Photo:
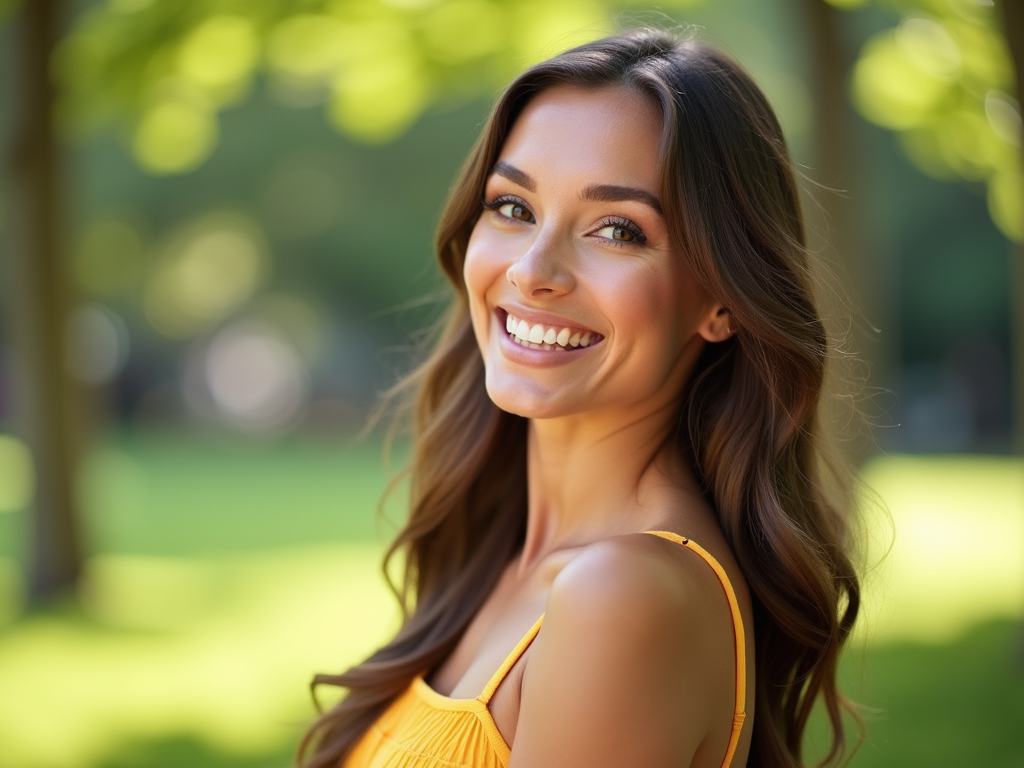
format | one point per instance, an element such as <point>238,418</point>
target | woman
<point>633,349</point>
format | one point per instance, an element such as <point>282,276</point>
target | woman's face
<point>578,300</point>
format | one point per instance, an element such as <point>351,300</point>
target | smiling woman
<point>573,241</point>
<point>632,349</point>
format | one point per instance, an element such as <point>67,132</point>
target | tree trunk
<point>1012,12</point>
<point>37,305</point>
<point>835,227</point>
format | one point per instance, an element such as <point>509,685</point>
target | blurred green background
<point>217,220</point>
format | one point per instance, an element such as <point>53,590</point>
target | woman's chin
<point>531,402</point>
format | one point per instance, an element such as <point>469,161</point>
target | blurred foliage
<point>943,79</point>
<point>166,68</point>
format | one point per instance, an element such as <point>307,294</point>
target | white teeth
<point>547,338</point>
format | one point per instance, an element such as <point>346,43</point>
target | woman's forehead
<point>608,131</point>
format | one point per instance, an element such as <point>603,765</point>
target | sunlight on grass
<point>957,535</point>
<point>228,661</point>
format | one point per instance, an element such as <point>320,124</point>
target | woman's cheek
<point>479,273</point>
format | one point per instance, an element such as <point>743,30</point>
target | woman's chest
<point>500,624</point>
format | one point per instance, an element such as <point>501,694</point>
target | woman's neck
<point>597,475</point>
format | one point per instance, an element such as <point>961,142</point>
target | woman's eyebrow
<point>603,193</point>
<point>610,193</point>
<point>513,174</point>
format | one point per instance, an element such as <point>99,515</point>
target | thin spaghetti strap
<point>509,662</point>
<point>739,715</point>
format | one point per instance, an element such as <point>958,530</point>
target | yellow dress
<point>423,729</point>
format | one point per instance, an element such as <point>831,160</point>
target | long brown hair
<point>748,419</point>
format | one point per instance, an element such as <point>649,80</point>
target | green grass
<point>181,495</point>
<point>186,655</point>
<point>956,704</point>
<point>226,574</point>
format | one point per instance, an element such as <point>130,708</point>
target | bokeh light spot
<point>1003,115</point>
<point>984,55</point>
<point>463,30</point>
<point>174,136</point>
<point>253,377</point>
<point>306,46</point>
<point>377,99</point>
<point>220,53</point>
<point>545,28</point>
<point>928,46</point>
<point>97,344</point>
<point>17,474</point>
<point>214,266</point>
<point>892,91</point>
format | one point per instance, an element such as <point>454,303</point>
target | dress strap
<point>739,715</point>
<point>509,662</point>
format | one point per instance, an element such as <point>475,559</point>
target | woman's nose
<point>541,271</point>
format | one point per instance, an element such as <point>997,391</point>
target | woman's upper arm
<point>629,668</point>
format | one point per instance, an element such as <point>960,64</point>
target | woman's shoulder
<point>636,633</point>
<point>653,582</point>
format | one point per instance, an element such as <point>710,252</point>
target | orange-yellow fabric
<point>423,729</point>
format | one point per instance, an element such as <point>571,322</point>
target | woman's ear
<point>718,324</point>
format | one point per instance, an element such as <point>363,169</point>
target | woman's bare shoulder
<point>639,576</point>
<point>632,665</point>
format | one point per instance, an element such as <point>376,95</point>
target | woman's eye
<point>515,211</point>
<point>620,234</point>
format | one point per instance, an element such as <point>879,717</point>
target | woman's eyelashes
<point>621,232</point>
<point>617,231</point>
<point>509,207</point>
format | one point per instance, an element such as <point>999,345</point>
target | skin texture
<point>633,665</point>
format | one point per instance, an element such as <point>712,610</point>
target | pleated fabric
<point>424,729</point>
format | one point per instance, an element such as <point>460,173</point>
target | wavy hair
<point>748,419</point>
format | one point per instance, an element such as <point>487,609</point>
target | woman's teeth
<point>545,336</point>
